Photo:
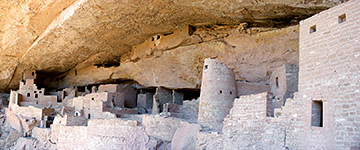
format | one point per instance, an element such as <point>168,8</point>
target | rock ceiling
<point>54,36</point>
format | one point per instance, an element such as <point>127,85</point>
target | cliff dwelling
<point>179,75</point>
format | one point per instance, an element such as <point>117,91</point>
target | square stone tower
<point>329,78</point>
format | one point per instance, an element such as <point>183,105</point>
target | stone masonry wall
<point>114,134</point>
<point>71,137</point>
<point>329,72</point>
<point>248,127</point>
<point>217,94</point>
<point>107,134</point>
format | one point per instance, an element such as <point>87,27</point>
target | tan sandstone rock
<point>55,36</point>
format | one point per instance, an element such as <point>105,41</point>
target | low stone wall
<point>72,138</point>
<point>251,106</point>
<point>106,134</point>
<point>117,134</point>
<point>28,112</point>
<point>248,127</point>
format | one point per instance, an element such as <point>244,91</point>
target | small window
<point>32,73</point>
<point>277,82</point>
<point>206,66</point>
<point>92,99</point>
<point>75,72</point>
<point>313,29</point>
<point>28,94</point>
<point>36,95</point>
<point>89,116</point>
<point>230,92</point>
<point>342,18</point>
<point>317,114</point>
<point>220,91</point>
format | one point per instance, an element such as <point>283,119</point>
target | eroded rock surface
<point>253,55</point>
<point>55,36</point>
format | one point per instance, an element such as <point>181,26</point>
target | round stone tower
<point>218,91</point>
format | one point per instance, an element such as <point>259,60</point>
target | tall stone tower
<point>218,91</point>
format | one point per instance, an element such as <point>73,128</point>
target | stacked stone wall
<point>329,72</point>
<point>102,134</point>
<point>248,127</point>
<point>218,91</point>
<point>71,137</point>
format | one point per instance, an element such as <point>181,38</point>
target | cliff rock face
<point>56,36</point>
<point>252,53</point>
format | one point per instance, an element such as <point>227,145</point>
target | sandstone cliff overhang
<point>56,36</point>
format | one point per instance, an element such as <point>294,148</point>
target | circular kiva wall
<point>218,91</point>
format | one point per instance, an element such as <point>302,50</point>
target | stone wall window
<point>277,82</point>
<point>313,29</point>
<point>28,94</point>
<point>342,18</point>
<point>317,113</point>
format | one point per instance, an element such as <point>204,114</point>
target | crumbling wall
<point>248,127</point>
<point>119,134</point>
<point>188,111</point>
<point>292,80</point>
<point>161,97</point>
<point>252,106</point>
<point>284,83</point>
<point>102,134</point>
<point>145,102</point>
<point>72,137</point>
<point>218,92</point>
